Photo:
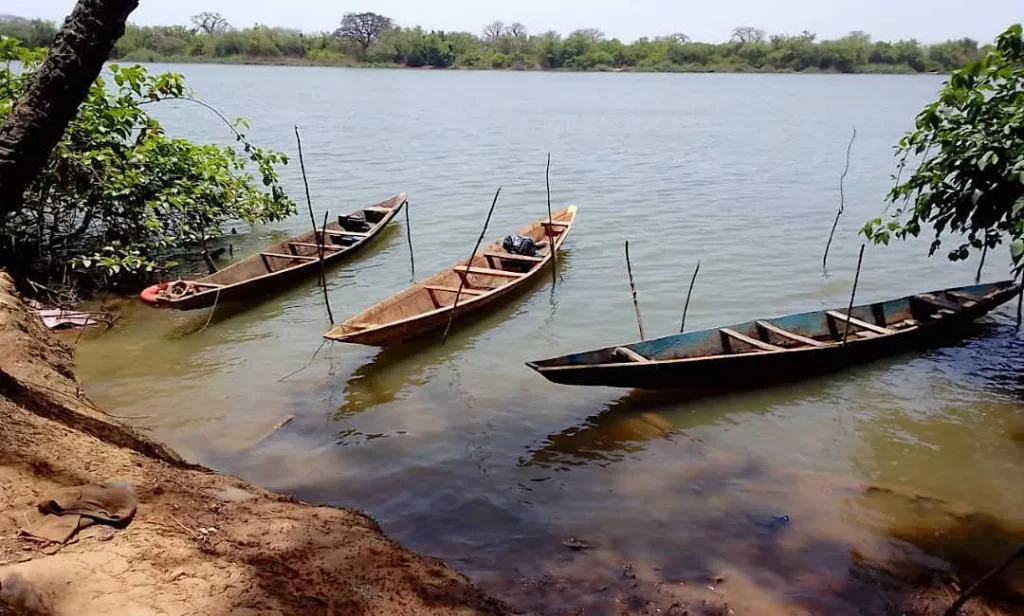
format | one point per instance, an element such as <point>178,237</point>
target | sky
<point>705,20</point>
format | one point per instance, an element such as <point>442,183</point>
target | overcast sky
<point>706,20</point>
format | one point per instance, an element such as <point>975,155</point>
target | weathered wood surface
<point>708,361</point>
<point>426,307</point>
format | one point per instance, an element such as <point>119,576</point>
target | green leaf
<point>1017,249</point>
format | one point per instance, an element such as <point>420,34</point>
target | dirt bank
<point>201,543</point>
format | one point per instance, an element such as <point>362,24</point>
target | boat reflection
<point>400,368</point>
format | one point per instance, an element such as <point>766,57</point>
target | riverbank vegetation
<point>118,198</point>
<point>370,39</point>
<point>966,154</point>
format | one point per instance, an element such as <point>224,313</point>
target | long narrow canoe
<point>279,265</point>
<point>782,349</point>
<point>425,307</point>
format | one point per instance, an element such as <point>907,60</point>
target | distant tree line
<point>373,39</point>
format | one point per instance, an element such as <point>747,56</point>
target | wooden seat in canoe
<point>377,210</point>
<point>735,335</point>
<point>455,290</point>
<point>463,270</point>
<point>778,331</point>
<point>511,257</point>
<point>968,300</point>
<point>839,316</point>
<point>317,246</point>
<point>941,306</point>
<point>555,223</point>
<point>334,233</point>
<point>631,355</point>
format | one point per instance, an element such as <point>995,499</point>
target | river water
<point>463,453</point>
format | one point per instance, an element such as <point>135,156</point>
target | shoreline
<point>289,61</point>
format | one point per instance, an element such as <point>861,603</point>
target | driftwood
<point>967,594</point>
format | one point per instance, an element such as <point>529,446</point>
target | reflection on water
<point>396,368</point>
<point>490,467</point>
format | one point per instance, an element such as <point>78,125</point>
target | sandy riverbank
<point>268,553</point>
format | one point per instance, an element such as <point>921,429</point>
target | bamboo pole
<point>318,236</point>
<point>849,310</point>
<point>469,263</point>
<point>408,235</point>
<point>682,326</point>
<point>842,201</point>
<point>550,229</point>
<point>321,248</point>
<point>632,286</point>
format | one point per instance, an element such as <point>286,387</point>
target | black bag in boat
<point>520,245</point>
<point>355,222</point>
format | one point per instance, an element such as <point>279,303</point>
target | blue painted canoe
<point>768,351</point>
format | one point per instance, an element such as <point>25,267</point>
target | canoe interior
<point>895,315</point>
<point>436,294</point>
<point>274,261</point>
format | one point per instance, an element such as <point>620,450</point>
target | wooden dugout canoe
<point>281,264</point>
<point>425,307</point>
<point>782,349</point>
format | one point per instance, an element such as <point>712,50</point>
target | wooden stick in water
<point>842,201</point>
<point>469,263</point>
<point>321,248</point>
<point>636,304</point>
<point>408,235</point>
<point>967,594</point>
<point>682,326</point>
<point>302,165</point>
<point>856,277</point>
<point>984,251</point>
<point>550,229</point>
<point>318,237</point>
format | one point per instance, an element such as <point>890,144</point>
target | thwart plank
<point>792,336</point>
<point>764,346</point>
<point>858,323</point>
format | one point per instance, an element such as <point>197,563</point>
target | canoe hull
<point>732,372</point>
<point>417,311</point>
<point>270,282</point>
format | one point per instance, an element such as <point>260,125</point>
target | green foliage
<point>369,38</point>
<point>970,143</point>
<point>118,195</point>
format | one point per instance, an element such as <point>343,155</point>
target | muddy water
<point>461,452</point>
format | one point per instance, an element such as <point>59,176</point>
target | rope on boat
<point>216,299</point>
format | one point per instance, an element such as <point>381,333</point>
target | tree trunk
<point>41,116</point>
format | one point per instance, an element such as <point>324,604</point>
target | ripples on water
<point>462,452</point>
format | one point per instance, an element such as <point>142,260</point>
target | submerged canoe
<point>281,264</point>
<point>782,349</point>
<point>425,307</point>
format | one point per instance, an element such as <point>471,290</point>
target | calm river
<point>463,453</point>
